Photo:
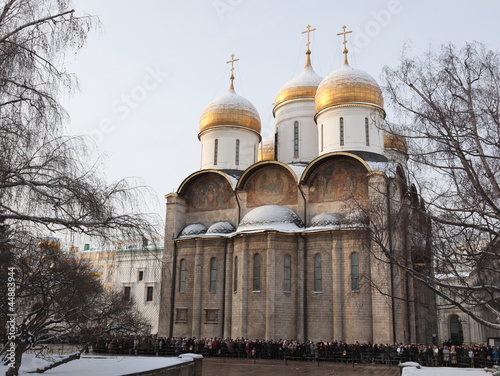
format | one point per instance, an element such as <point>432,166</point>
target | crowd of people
<point>447,354</point>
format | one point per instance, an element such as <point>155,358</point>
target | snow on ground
<point>97,365</point>
<point>444,371</point>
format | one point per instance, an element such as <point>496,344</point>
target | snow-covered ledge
<point>185,365</point>
<point>415,369</point>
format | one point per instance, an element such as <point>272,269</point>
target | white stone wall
<point>226,148</point>
<point>128,265</point>
<point>329,139</point>
<point>286,115</point>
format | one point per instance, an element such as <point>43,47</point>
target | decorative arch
<point>337,177</point>
<point>208,190</point>
<point>269,183</point>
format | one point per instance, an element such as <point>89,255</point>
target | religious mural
<point>271,185</point>
<point>209,192</point>
<point>338,180</point>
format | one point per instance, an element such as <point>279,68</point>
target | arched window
<point>182,276</point>
<point>213,275</point>
<point>256,272</point>
<point>296,139</point>
<point>216,151</point>
<point>341,131</point>
<point>321,135</point>
<point>235,281</point>
<point>287,274</point>
<point>367,132</point>
<point>317,273</point>
<point>354,272</point>
<point>276,146</point>
<point>237,157</point>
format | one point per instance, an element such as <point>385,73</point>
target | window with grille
<point>237,154</point>
<point>149,293</point>
<point>354,272</point>
<point>287,274</point>
<point>216,151</point>
<point>367,132</point>
<point>317,273</point>
<point>296,139</point>
<point>126,293</point>
<point>256,272</point>
<point>235,282</point>
<point>213,275</point>
<point>182,276</point>
<point>341,131</point>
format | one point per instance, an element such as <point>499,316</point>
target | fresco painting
<point>338,180</point>
<point>210,192</point>
<point>271,185</point>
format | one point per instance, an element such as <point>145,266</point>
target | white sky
<point>146,78</point>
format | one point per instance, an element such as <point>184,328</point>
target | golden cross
<point>308,31</point>
<point>345,43</point>
<point>232,69</point>
<point>232,63</point>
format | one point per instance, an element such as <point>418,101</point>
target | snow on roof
<point>271,217</point>
<point>388,168</point>
<point>297,169</point>
<point>232,101</point>
<point>347,75</point>
<point>306,78</point>
<point>233,179</point>
<point>456,275</point>
<point>325,219</point>
<point>98,365</point>
<point>193,229</point>
<point>221,228</point>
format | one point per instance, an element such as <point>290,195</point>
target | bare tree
<point>58,295</point>
<point>49,180</point>
<point>46,177</point>
<point>447,105</point>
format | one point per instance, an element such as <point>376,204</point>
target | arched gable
<point>337,177</point>
<point>269,183</point>
<point>208,190</point>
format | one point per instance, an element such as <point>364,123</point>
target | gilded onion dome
<point>230,110</point>
<point>348,86</point>
<point>395,142</point>
<point>302,87</point>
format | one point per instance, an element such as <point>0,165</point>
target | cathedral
<point>290,240</point>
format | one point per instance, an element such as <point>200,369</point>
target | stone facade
<point>272,278</point>
<point>298,246</point>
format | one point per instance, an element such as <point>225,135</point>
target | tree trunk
<point>18,353</point>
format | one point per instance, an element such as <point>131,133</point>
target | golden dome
<point>266,152</point>
<point>303,86</point>
<point>348,86</point>
<point>230,110</point>
<point>395,142</point>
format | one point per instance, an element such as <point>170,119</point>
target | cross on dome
<point>308,52</point>
<point>232,70</point>
<point>308,31</point>
<point>345,51</point>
